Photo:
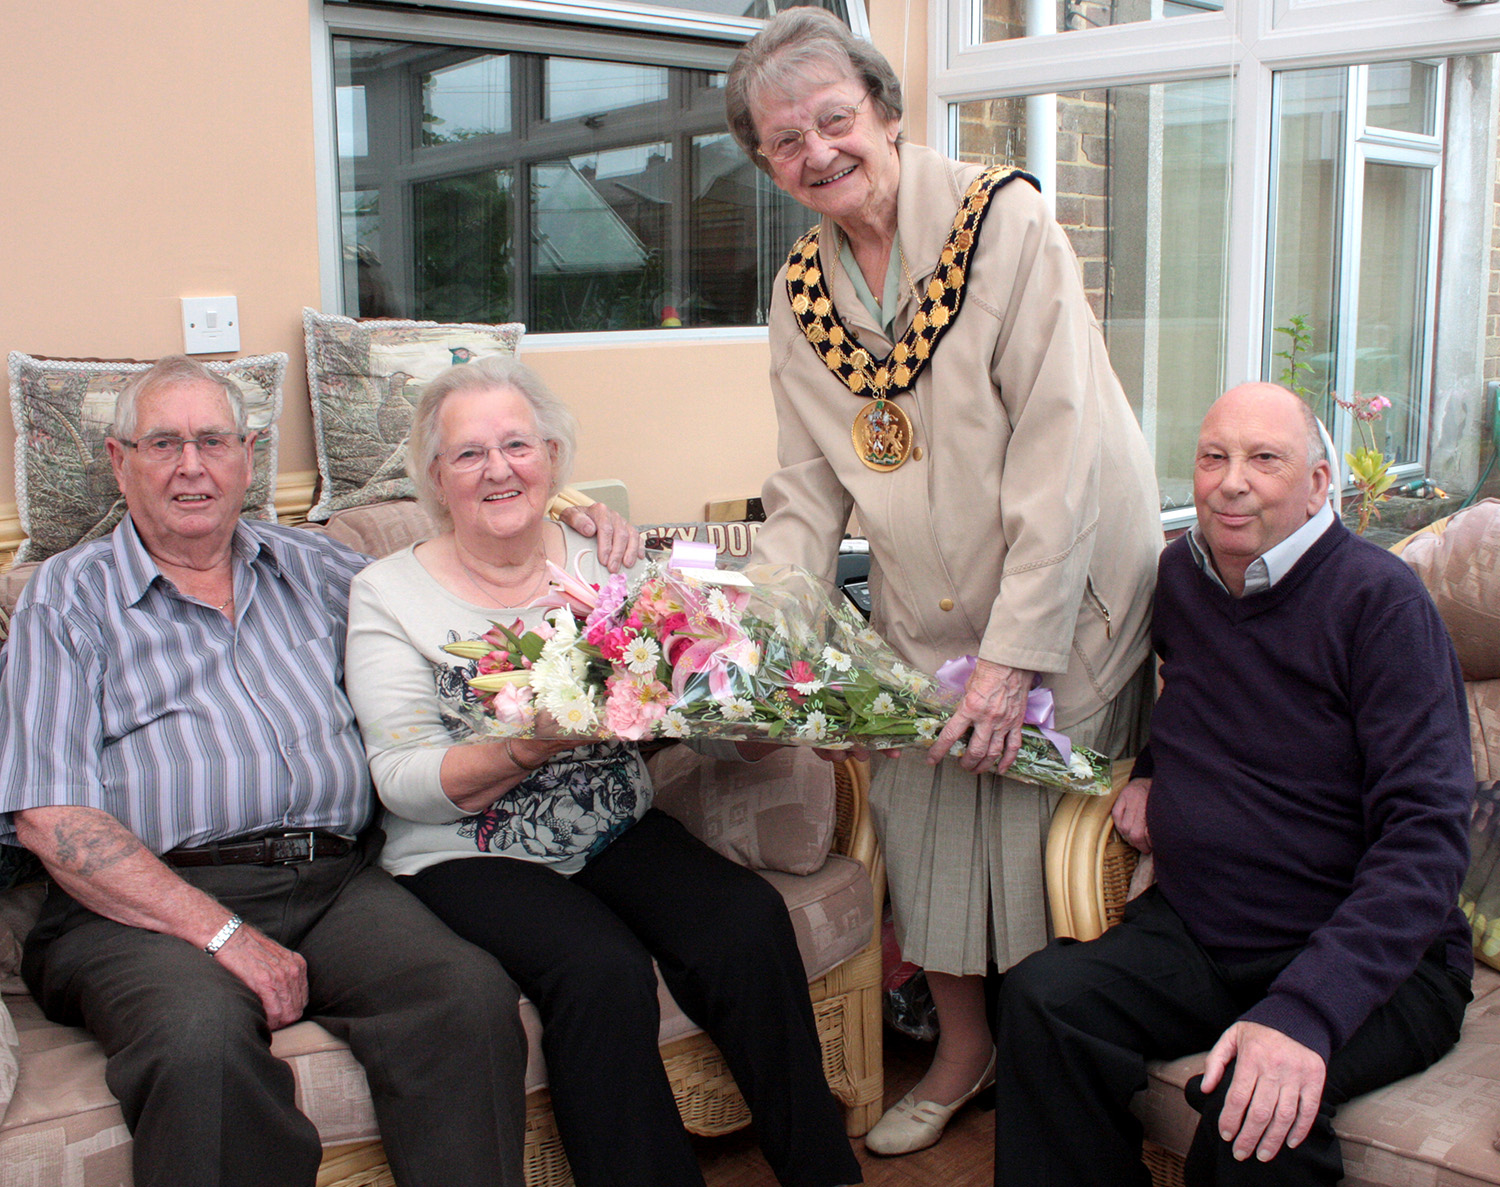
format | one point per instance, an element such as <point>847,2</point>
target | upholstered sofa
<point>803,823</point>
<point>1437,1129</point>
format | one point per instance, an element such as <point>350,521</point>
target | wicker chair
<point>846,1004</point>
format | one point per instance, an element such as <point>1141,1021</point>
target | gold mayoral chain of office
<point>881,430</point>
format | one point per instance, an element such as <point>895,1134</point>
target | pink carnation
<point>512,704</point>
<point>632,708</point>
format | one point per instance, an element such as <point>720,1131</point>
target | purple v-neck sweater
<point>1311,778</point>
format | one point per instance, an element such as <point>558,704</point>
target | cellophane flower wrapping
<point>741,653</point>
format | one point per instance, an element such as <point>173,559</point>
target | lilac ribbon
<point>689,554</point>
<point>1040,712</point>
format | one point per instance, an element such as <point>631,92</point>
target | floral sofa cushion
<point>364,379</point>
<point>63,409</point>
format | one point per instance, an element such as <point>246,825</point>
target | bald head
<point>1259,475</point>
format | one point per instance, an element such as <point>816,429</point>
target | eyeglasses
<point>163,448</point>
<point>832,124</point>
<point>474,455</point>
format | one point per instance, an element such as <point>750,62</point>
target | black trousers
<point>581,948</point>
<point>434,1022</point>
<point>1076,1024</point>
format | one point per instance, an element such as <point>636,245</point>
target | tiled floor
<point>964,1158</point>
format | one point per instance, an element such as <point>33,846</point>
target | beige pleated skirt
<point>965,853</point>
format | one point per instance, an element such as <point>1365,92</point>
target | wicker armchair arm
<point>854,831</point>
<point>1088,864</point>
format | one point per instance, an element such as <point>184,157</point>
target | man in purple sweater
<point>1305,792</point>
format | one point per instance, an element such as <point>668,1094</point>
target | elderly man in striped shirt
<point>176,746</point>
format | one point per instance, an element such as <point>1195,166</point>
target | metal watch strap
<point>221,937</point>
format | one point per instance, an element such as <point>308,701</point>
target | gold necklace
<point>881,432</point>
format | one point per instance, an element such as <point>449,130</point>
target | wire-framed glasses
<point>835,122</point>
<point>472,455</point>
<point>162,448</point>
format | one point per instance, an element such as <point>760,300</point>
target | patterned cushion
<point>1459,563</point>
<point>364,378</point>
<point>62,408</point>
<point>735,539</point>
<point>775,814</point>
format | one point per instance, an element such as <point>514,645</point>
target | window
<point>1225,168</point>
<point>1003,19</point>
<point>573,180</point>
<point>1352,250</point>
<point>1141,177</point>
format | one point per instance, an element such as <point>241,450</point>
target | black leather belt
<point>272,849</point>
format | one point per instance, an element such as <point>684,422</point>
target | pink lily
<point>567,592</point>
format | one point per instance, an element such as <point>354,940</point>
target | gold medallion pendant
<point>882,435</point>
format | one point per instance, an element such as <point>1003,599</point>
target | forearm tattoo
<point>89,846</point>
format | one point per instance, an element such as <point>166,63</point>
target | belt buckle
<point>290,848</point>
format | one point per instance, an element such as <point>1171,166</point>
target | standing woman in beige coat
<point>937,369</point>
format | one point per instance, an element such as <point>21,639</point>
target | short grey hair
<point>1316,451</point>
<point>172,371</point>
<point>795,42</point>
<point>554,422</point>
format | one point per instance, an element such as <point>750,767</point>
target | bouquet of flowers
<point>693,651</point>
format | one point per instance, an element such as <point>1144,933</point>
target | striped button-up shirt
<point>120,693</point>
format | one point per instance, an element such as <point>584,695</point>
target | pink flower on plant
<point>1379,404</point>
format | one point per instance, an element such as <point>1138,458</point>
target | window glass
<point>1403,97</point>
<point>1000,20</point>
<point>1142,183</point>
<point>568,193</point>
<point>1303,288</point>
<point>1390,335</point>
<point>469,99</point>
<point>579,89</point>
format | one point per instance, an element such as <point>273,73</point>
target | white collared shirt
<point>1273,564</point>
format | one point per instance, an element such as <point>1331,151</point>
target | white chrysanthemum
<point>737,709</point>
<point>838,660</point>
<point>575,715</point>
<point>673,725</point>
<point>808,687</point>
<point>1079,766</point>
<point>927,728</point>
<point>554,676</point>
<point>815,727</point>
<point>883,705</point>
<point>641,655</point>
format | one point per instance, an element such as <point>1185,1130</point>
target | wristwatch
<point>221,937</point>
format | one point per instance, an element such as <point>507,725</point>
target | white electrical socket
<point>210,325</point>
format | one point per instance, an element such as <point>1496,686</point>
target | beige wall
<point>159,149</point>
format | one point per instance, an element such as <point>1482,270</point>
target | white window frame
<point>1250,40</point>
<point>609,31</point>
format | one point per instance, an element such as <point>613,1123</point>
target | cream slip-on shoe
<point>910,1125</point>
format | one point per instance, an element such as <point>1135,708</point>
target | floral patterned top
<point>413,702</point>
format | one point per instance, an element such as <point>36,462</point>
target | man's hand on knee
<point>276,974</point>
<point>1274,1094</point>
